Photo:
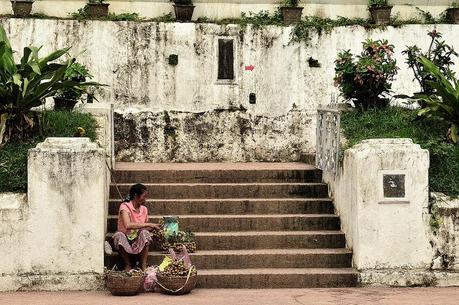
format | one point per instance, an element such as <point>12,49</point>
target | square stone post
<point>66,221</point>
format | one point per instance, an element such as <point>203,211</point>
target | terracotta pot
<point>98,10</point>
<point>183,12</point>
<point>291,14</point>
<point>64,104</point>
<point>453,14</point>
<point>21,8</point>
<point>381,15</point>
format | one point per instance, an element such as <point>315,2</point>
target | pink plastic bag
<point>150,280</point>
<point>181,256</point>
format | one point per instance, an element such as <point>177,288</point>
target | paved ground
<point>359,296</point>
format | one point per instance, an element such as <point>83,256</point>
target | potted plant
<point>66,98</point>
<point>380,11</point>
<point>453,12</point>
<point>97,8</point>
<point>183,10</point>
<point>22,8</point>
<point>365,79</point>
<point>291,12</point>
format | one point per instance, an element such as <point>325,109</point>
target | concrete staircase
<point>258,225</point>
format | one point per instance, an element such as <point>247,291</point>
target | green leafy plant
<point>454,4</point>
<point>378,3</point>
<point>97,1</point>
<point>124,17</point>
<point>77,73</point>
<point>444,102</point>
<point>440,53</point>
<point>302,30</point>
<point>164,18</point>
<point>365,78</point>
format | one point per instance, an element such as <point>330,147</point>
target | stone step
<point>277,278</point>
<point>227,190</point>
<point>234,206</point>
<point>266,240</point>
<point>217,176</point>
<point>262,258</point>
<point>260,222</point>
<point>269,240</point>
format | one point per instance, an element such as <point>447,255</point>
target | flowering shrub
<point>439,53</point>
<point>365,79</point>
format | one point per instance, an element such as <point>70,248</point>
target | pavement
<point>340,296</point>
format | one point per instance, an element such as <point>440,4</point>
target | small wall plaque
<point>394,186</point>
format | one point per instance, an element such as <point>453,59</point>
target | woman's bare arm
<point>133,225</point>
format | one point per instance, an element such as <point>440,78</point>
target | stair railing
<point>328,137</point>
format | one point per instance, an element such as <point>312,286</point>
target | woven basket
<point>176,285</point>
<point>119,284</point>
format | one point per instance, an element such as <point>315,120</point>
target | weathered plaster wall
<point>233,8</point>
<point>392,240</point>
<point>53,240</point>
<point>217,135</point>
<point>132,58</point>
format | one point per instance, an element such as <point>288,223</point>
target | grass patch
<point>13,156</point>
<point>396,122</point>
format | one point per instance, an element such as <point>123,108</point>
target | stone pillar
<point>381,196</point>
<point>390,188</point>
<point>59,242</point>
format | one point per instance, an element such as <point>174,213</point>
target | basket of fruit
<point>177,278</point>
<point>124,282</point>
<point>176,241</point>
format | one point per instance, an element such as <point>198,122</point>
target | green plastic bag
<point>133,235</point>
<point>171,226</point>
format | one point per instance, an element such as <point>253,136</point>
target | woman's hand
<point>152,226</point>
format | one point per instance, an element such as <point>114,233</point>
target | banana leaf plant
<point>444,102</point>
<point>26,84</point>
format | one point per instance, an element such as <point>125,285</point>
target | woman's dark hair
<point>136,190</point>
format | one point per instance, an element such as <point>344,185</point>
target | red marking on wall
<point>249,68</point>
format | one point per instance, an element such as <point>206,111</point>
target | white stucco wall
<point>163,110</point>
<point>54,239</point>
<point>132,59</point>
<point>233,8</point>
<point>391,237</point>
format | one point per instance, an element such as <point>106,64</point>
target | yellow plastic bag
<point>166,262</point>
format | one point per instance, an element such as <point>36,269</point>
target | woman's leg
<point>121,243</point>
<point>144,257</point>
<point>126,259</point>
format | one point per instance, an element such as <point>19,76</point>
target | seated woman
<point>133,236</point>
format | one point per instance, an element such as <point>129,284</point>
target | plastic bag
<point>181,256</point>
<point>171,225</point>
<point>166,262</point>
<point>150,283</point>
